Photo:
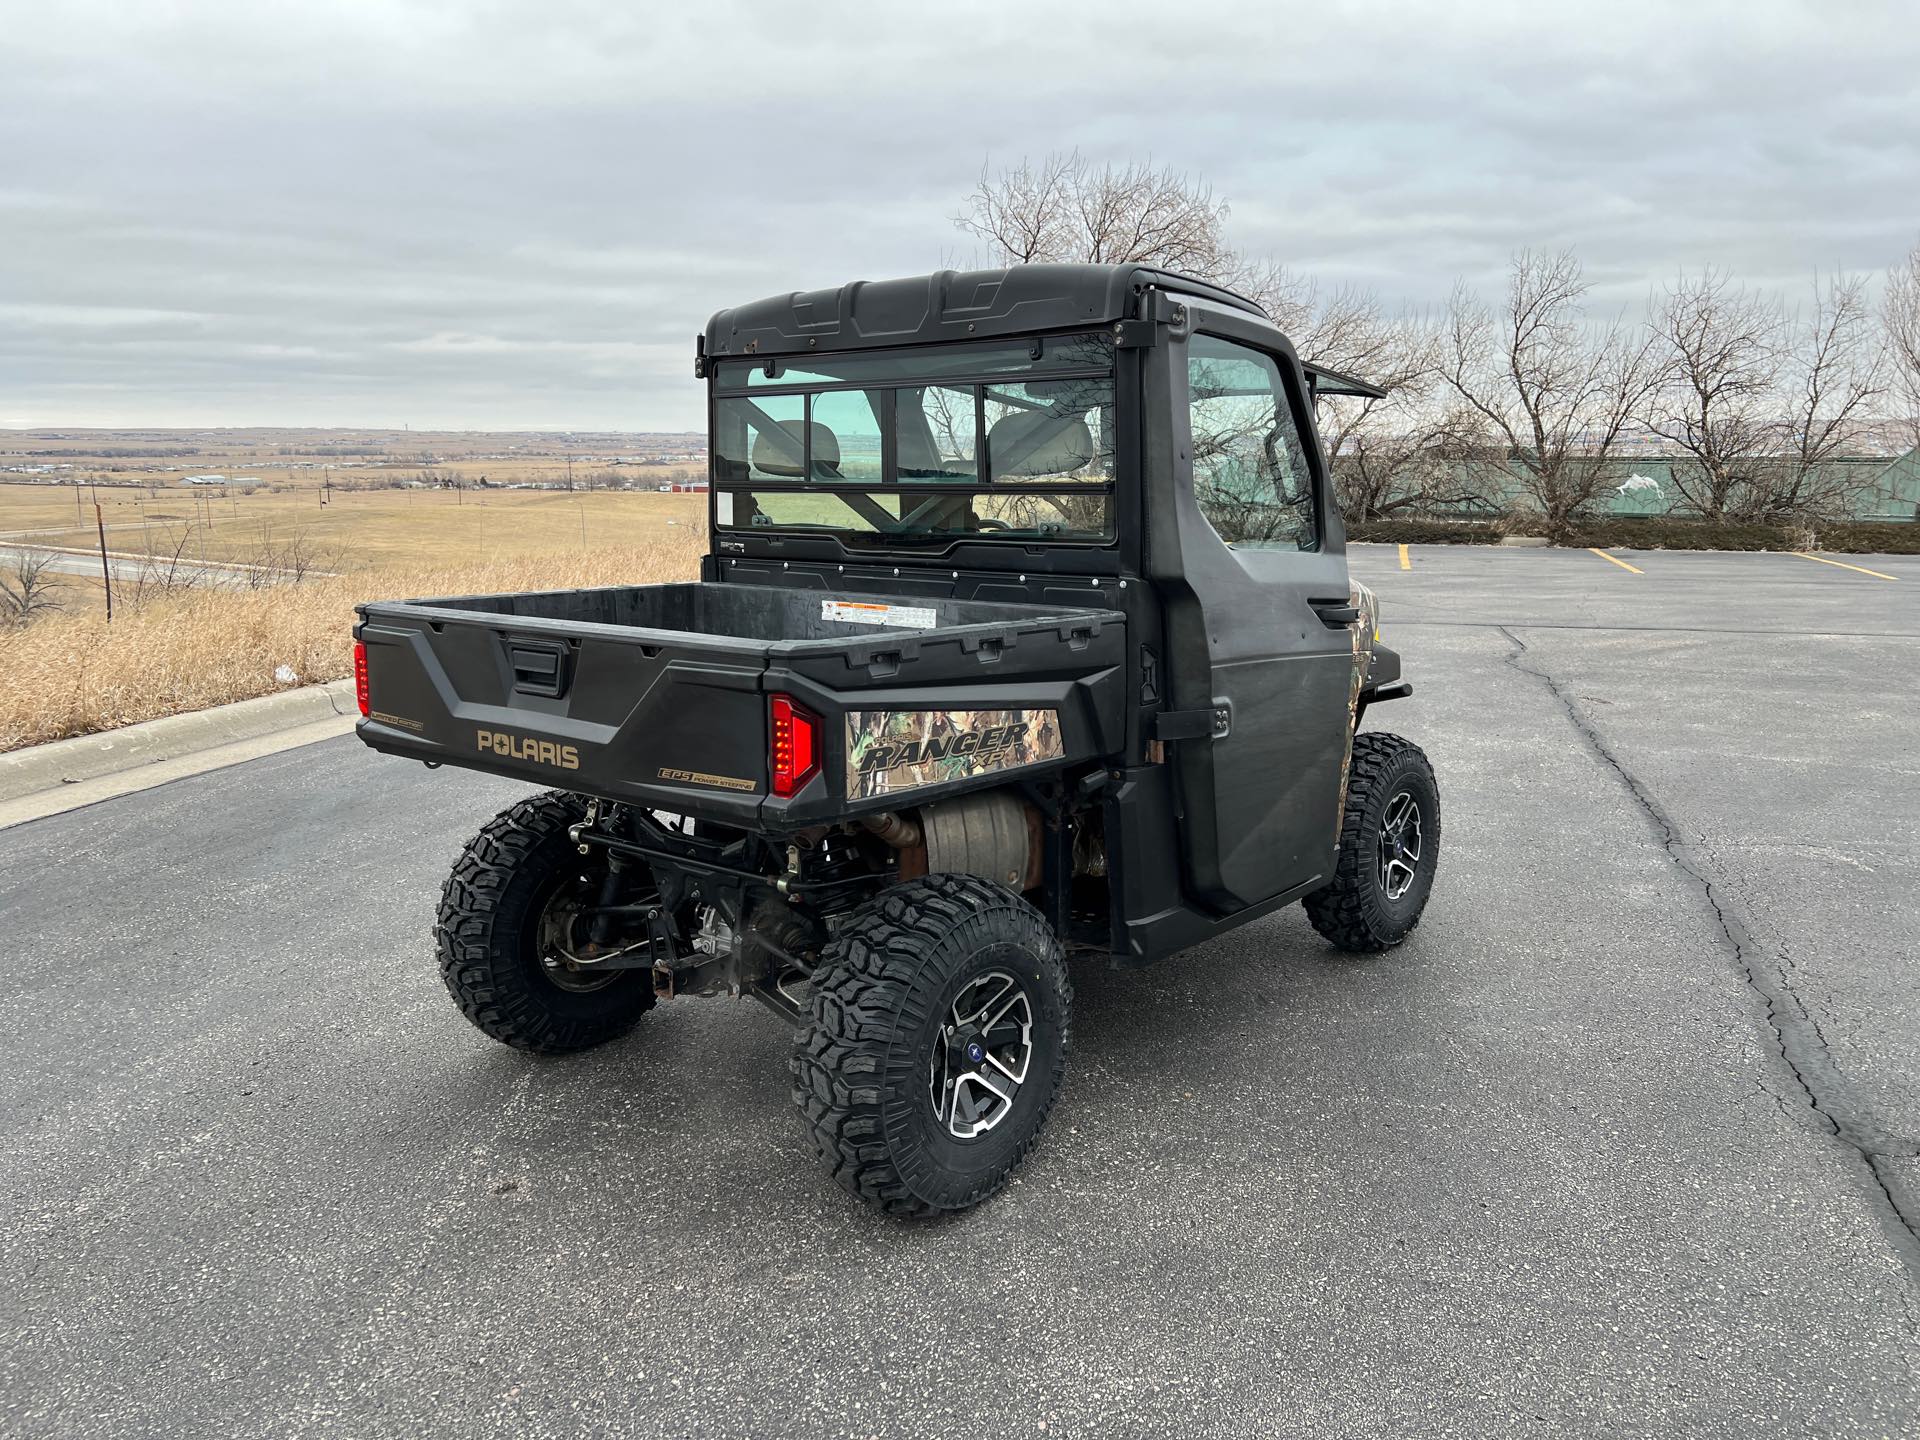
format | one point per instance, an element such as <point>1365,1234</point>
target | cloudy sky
<point>517,213</point>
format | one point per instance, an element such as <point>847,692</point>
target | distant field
<point>260,450</point>
<point>587,474</point>
<point>606,483</point>
<point>169,650</point>
<point>354,530</point>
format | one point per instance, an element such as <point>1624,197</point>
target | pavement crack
<point>1797,1035</point>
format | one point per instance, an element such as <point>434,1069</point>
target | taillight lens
<point>794,745</point>
<point>360,676</point>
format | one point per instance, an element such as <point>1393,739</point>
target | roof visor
<point>1322,381</point>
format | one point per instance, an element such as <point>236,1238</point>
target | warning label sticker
<point>859,612</point>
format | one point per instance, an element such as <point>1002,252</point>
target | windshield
<point>989,441</point>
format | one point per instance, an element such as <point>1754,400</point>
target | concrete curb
<point>42,768</point>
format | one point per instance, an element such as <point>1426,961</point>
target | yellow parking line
<point>1405,563</point>
<point>1617,561</point>
<point>1857,569</point>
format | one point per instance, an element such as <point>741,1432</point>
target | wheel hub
<point>1400,845</point>
<point>981,1054</point>
<point>566,955</point>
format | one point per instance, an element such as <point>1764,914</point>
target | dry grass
<point>358,530</point>
<point>75,674</point>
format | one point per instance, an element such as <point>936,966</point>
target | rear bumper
<point>523,753</point>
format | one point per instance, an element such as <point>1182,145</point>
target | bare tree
<point>1409,460</point>
<point>1067,208</point>
<point>1900,316</point>
<point>1388,456</point>
<point>27,587</point>
<point>1835,372</point>
<point>1345,328</point>
<point>165,569</point>
<point>1723,349</point>
<point>282,560</point>
<point>1553,391</point>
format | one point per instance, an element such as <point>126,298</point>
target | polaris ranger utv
<point>1025,633</point>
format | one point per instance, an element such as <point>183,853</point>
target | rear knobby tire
<point>489,935</point>
<point>1357,909</point>
<point>884,1068</point>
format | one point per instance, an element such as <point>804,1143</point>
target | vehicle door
<point>1260,624</point>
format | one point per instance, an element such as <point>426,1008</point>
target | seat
<point>777,450</point>
<point>1035,442</point>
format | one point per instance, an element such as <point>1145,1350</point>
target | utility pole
<point>106,570</point>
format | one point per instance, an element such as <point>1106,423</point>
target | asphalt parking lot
<point>1622,1142</point>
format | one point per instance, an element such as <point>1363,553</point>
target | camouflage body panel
<point>1365,631</point>
<point>892,750</point>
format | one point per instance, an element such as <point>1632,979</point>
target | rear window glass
<point>1049,431</point>
<point>939,432</point>
<point>761,439</point>
<point>906,517</point>
<point>982,441</point>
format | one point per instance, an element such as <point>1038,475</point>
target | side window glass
<point>1250,472</point>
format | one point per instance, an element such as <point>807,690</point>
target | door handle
<point>1336,613</point>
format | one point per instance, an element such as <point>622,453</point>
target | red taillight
<point>360,676</point>
<point>794,747</point>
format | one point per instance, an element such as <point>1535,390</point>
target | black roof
<point>966,305</point>
<point>949,305</point>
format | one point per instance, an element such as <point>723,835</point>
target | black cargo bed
<point>657,694</point>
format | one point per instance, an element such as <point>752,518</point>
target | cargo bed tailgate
<point>658,695</point>
<point>665,720</point>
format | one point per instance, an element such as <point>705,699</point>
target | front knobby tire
<point>496,934</point>
<point>935,1044</point>
<point>1389,845</point>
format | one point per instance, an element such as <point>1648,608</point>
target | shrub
<point>1659,532</point>
<point>1666,533</point>
<point>1423,532</point>
<point>1654,532</point>
<point>1868,539</point>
